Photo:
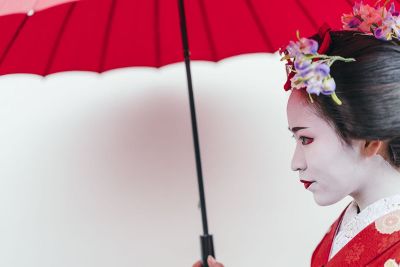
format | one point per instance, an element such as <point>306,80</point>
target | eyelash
<point>301,137</point>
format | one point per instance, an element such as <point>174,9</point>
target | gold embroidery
<point>389,223</point>
<point>354,254</point>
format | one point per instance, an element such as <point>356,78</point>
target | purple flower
<point>389,27</point>
<point>396,28</point>
<point>392,22</point>
<point>328,86</point>
<point>322,70</point>
<point>314,76</point>
<point>308,46</point>
<point>293,49</point>
<point>302,63</point>
<point>381,33</point>
<point>314,88</point>
<point>303,46</point>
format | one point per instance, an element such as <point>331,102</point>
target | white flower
<point>391,263</point>
<point>389,223</point>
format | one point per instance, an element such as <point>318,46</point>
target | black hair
<point>369,89</point>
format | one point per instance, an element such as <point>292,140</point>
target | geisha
<point>344,113</point>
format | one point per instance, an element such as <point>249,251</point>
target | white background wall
<point>99,170</point>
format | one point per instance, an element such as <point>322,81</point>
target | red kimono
<point>378,244</point>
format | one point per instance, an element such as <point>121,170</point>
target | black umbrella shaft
<point>193,116</point>
<point>206,240</point>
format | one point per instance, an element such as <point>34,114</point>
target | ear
<point>372,147</point>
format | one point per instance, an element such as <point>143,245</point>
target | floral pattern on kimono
<point>378,244</point>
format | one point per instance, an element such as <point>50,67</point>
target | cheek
<point>329,161</point>
<point>321,155</point>
<point>332,166</point>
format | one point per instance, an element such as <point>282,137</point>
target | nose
<point>298,160</point>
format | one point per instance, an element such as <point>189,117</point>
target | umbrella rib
<point>58,39</point>
<point>207,28</point>
<point>260,26</point>
<point>13,39</point>
<point>157,32</point>
<point>307,14</point>
<point>106,39</point>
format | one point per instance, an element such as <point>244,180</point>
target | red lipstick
<point>307,183</point>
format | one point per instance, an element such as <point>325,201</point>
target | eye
<point>304,140</point>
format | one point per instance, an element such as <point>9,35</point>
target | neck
<point>377,186</point>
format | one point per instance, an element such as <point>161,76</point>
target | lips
<point>307,183</point>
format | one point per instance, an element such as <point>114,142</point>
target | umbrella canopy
<point>28,6</point>
<point>99,35</point>
<point>49,36</point>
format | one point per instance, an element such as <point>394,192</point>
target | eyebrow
<point>295,129</point>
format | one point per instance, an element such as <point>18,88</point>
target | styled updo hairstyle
<point>369,89</point>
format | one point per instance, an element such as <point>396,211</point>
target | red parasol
<point>48,36</point>
<point>99,35</point>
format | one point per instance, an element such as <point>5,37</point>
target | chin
<point>325,201</point>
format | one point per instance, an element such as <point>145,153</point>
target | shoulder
<point>387,228</point>
<point>379,243</point>
<point>389,258</point>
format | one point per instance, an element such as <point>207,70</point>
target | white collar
<point>353,223</point>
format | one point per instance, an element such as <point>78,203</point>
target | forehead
<point>300,114</point>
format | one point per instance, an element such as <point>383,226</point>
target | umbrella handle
<point>207,248</point>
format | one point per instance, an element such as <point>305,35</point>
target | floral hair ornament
<point>383,23</point>
<point>308,67</point>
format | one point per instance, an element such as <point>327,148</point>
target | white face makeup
<point>337,169</point>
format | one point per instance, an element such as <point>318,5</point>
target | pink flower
<point>350,22</point>
<point>364,18</point>
<point>370,16</point>
<point>393,11</point>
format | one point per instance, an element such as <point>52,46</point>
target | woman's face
<point>321,156</point>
